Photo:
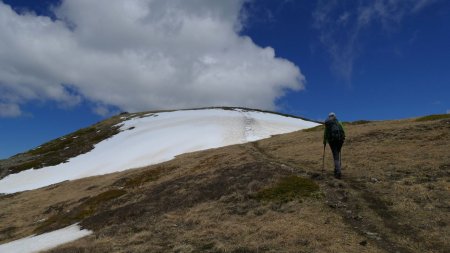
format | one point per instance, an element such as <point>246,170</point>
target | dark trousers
<point>336,149</point>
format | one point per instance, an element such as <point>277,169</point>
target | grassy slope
<point>266,196</point>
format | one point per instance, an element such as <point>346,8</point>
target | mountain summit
<point>142,139</point>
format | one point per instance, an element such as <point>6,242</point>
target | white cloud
<point>420,4</point>
<point>9,110</point>
<point>101,110</point>
<point>139,55</point>
<point>340,26</point>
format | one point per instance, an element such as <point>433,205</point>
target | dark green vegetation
<point>289,188</point>
<point>60,150</point>
<point>87,208</point>
<point>7,233</point>
<point>357,122</point>
<point>433,117</point>
<point>139,180</point>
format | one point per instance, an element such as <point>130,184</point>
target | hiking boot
<point>337,175</point>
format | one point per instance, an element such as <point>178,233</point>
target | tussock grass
<point>289,188</point>
<point>314,129</point>
<point>140,179</point>
<point>7,233</point>
<point>242,249</point>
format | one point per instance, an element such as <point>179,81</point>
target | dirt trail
<point>337,197</point>
<point>395,188</point>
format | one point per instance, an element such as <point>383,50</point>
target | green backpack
<point>335,131</point>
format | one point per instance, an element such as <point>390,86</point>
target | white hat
<point>331,114</point>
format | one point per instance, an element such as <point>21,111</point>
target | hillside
<point>263,196</point>
<point>135,140</point>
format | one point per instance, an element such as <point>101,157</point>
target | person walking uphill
<point>334,134</point>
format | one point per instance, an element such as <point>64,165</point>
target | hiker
<point>334,134</point>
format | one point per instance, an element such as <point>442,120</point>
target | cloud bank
<point>341,24</point>
<point>138,55</point>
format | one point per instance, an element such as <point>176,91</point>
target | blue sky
<point>361,59</point>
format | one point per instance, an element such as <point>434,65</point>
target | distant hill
<point>140,139</point>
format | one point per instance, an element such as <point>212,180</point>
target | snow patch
<point>151,140</point>
<point>45,241</point>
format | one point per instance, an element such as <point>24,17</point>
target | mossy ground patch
<point>289,188</point>
<point>85,209</point>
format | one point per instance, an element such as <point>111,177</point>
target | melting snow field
<point>45,241</point>
<point>156,138</point>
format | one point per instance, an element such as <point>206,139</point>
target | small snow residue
<point>74,137</point>
<point>151,140</point>
<point>45,241</point>
<point>41,220</point>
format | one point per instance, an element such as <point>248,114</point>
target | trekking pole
<point>323,158</point>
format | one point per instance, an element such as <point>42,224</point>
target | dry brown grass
<point>396,177</point>
<point>394,197</point>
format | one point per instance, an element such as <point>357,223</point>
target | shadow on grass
<point>289,188</point>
